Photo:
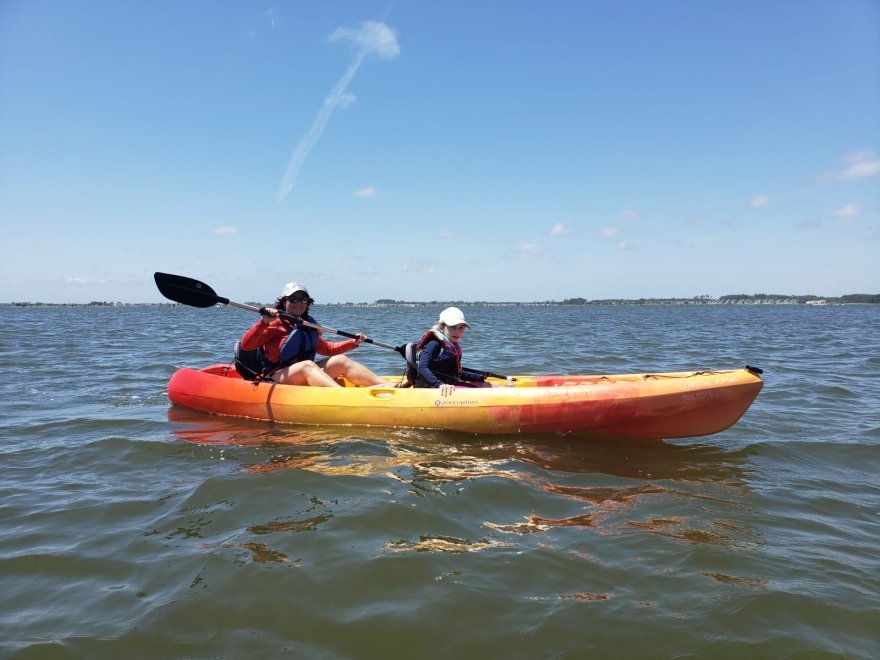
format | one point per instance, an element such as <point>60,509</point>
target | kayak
<point>647,406</point>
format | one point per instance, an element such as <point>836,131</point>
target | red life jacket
<point>435,335</point>
<point>413,349</point>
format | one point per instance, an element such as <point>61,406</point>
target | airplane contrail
<point>311,138</point>
<point>371,37</point>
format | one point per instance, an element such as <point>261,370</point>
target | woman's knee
<point>296,373</point>
<point>337,365</point>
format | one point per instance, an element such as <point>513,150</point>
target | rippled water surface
<point>133,529</point>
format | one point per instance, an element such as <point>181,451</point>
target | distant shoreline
<point>738,299</point>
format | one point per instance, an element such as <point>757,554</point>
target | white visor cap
<point>453,316</point>
<point>292,287</point>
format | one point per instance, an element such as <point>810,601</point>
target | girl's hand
<point>361,337</point>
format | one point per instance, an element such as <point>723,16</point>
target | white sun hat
<point>292,287</point>
<point>453,316</point>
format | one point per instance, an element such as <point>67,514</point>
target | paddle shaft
<point>309,324</point>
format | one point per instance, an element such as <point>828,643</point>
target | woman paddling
<point>289,349</point>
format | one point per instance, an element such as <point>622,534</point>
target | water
<point>132,529</point>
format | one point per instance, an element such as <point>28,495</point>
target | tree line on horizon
<point>853,298</point>
<point>739,298</point>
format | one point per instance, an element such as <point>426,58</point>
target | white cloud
<point>530,248</point>
<point>366,191</point>
<point>848,211</point>
<point>860,164</point>
<point>627,214</point>
<point>559,229</point>
<point>608,232</point>
<point>225,230</point>
<point>759,201</point>
<point>859,170</point>
<point>371,37</point>
<point>76,280</point>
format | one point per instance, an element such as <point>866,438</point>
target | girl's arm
<point>429,352</point>
<point>472,376</point>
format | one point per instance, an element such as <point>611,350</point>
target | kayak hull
<point>647,406</point>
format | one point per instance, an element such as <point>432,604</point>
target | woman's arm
<point>258,335</point>
<point>335,347</point>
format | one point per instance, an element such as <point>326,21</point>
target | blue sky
<point>496,150</point>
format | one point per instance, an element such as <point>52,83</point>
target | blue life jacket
<point>301,344</point>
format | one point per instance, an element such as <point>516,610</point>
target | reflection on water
<point>677,527</point>
<point>754,583</point>
<point>443,544</point>
<point>304,525</point>
<point>442,457</point>
<point>263,554</point>
<point>568,472</point>
<point>583,596</point>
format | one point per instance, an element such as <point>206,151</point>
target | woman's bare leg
<point>354,372</point>
<point>304,373</point>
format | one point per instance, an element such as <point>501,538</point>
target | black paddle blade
<point>187,291</point>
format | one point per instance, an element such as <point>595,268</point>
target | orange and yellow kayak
<point>648,406</point>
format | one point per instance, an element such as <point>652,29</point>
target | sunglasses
<point>298,299</point>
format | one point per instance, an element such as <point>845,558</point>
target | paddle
<point>187,291</point>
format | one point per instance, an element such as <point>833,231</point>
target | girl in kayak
<point>440,357</point>
<point>289,350</point>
